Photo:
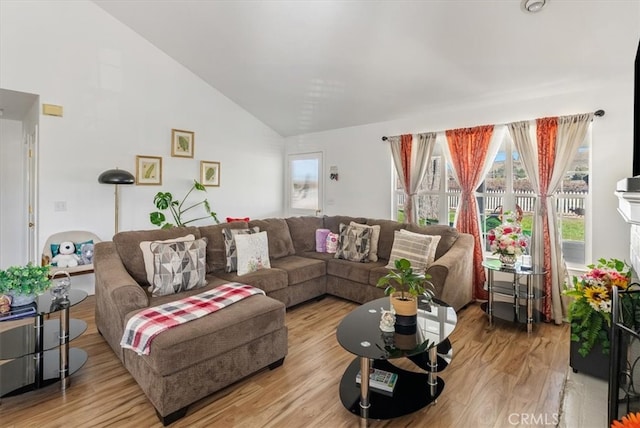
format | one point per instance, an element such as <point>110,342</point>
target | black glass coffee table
<point>428,348</point>
<point>38,352</point>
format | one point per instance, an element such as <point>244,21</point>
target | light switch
<point>60,206</point>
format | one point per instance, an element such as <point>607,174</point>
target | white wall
<point>121,98</point>
<point>364,160</point>
<point>13,250</point>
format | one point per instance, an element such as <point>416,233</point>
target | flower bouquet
<point>507,239</point>
<point>590,311</point>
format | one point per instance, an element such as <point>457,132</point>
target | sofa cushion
<point>128,247</point>
<point>385,242</point>
<point>302,230</point>
<point>265,279</point>
<point>280,243</point>
<point>354,243</point>
<point>419,249</point>
<point>317,256</point>
<point>357,272</point>
<point>214,334</point>
<point>253,252</point>
<point>448,235</point>
<point>300,269</point>
<point>331,246</point>
<point>178,266</point>
<point>333,222</point>
<point>216,252</point>
<point>230,246</point>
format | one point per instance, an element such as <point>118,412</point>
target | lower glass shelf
<point>506,311</point>
<point>18,376</point>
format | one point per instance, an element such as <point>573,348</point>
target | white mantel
<point>629,206</point>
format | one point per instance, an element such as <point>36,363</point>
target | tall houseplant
<point>164,201</point>
<point>404,285</point>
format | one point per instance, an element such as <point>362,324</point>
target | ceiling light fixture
<point>533,6</point>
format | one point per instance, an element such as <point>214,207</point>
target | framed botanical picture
<point>182,143</point>
<point>210,173</point>
<point>148,170</point>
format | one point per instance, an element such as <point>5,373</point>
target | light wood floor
<point>496,373</point>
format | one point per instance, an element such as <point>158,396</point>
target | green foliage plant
<point>28,279</point>
<point>404,280</point>
<point>165,201</point>
<point>590,310</point>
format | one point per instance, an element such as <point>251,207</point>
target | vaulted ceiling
<point>306,66</point>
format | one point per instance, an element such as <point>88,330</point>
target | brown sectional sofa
<point>198,358</point>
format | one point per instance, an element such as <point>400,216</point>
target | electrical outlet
<point>60,206</point>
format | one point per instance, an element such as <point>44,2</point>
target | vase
<point>18,299</point>
<point>508,260</point>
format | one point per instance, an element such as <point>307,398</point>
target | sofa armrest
<point>452,274</point>
<point>117,294</point>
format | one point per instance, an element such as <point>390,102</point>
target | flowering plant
<point>507,238</point>
<point>591,308</point>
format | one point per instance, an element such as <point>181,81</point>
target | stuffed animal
<point>86,254</point>
<point>66,256</point>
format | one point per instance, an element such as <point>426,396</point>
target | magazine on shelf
<point>18,312</point>
<point>381,380</point>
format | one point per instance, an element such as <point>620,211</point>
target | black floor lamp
<point>117,177</point>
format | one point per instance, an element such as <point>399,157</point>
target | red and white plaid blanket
<point>148,323</point>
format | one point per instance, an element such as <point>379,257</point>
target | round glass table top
<point>359,332</point>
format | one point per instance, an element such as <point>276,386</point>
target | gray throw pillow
<point>178,266</point>
<point>354,243</point>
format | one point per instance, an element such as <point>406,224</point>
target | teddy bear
<point>86,254</point>
<point>66,256</point>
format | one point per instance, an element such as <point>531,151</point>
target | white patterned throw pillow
<point>419,249</point>
<point>178,266</point>
<point>253,252</point>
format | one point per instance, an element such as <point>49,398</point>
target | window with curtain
<point>506,188</point>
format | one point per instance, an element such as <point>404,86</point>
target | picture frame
<point>148,170</point>
<point>210,173</point>
<point>182,143</point>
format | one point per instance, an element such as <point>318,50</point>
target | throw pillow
<point>147,255</point>
<point>431,255</point>
<point>321,240</point>
<point>332,242</point>
<point>354,243</point>
<point>230,245</point>
<point>419,249</point>
<point>178,266</point>
<point>232,219</point>
<point>375,237</point>
<point>253,252</point>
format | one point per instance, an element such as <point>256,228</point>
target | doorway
<point>19,120</point>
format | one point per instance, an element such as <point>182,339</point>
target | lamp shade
<point>116,176</point>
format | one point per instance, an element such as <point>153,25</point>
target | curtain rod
<point>598,113</point>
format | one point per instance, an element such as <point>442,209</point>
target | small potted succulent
<point>403,285</point>
<point>24,283</point>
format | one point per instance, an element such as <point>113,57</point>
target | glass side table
<point>519,293</point>
<point>38,353</point>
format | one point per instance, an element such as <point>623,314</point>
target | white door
<point>305,184</point>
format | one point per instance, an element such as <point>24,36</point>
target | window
<point>304,178</point>
<point>506,188</point>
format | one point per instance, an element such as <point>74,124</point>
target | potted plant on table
<point>403,285</point>
<point>24,283</point>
